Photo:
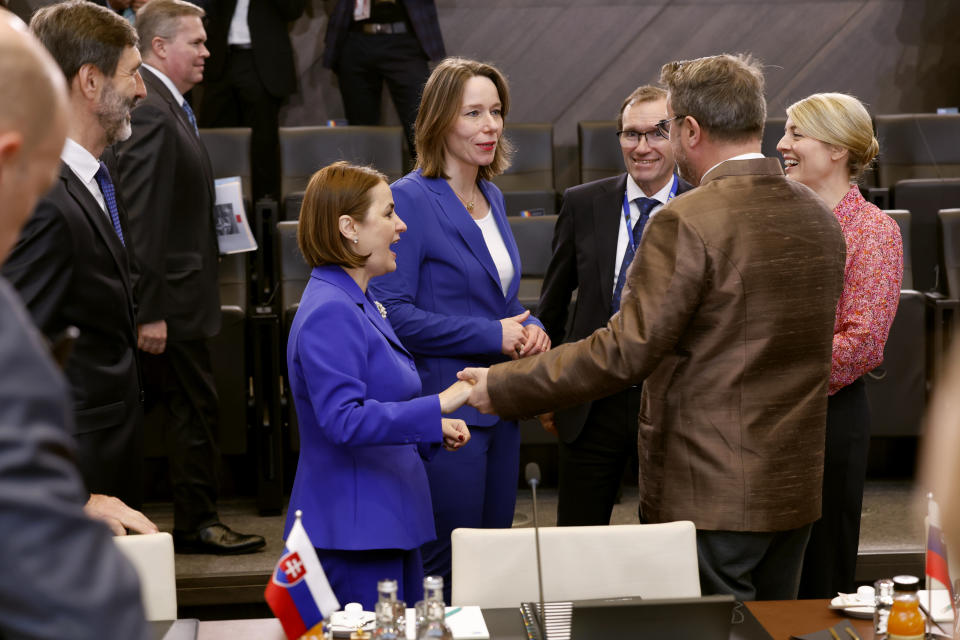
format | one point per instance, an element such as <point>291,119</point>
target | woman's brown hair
<point>336,190</point>
<point>439,107</point>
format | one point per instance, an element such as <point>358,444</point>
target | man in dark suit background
<point>593,244</point>
<point>727,316</point>
<point>167,183</point>
<point>248,76</point>
<point>70,265</point>
<point>372,41</point>
<point>62,576</point>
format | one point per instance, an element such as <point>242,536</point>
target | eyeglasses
<point>632,138</point>
<point>663,127</point>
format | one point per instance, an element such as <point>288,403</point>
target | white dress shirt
<point>497,248</point>
<point>623,237</point>
<point>239,33</point>
<point>168,83</point>
<point>85,167</point>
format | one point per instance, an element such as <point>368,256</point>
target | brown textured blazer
<point>728,315</point>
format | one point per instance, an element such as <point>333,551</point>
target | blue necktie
<point>110,197</point>
<point>192,118</point>
<point>646,206</point>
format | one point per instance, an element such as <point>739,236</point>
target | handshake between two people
<point>471,389</point>
<point>519,341</point>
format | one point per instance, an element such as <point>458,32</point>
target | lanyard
<point>626,210</point>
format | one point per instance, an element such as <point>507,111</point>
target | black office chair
<point>902,218</point>
<point>294,274</point>
<point>897,388</point>
<point>229,152</point>
<point>228,354</point>
<point>305,150</point>
<point>528,184</point>
<point>923,198</point>
<point>917,145</point>
<point>534,236</point>
<point>600,154</point>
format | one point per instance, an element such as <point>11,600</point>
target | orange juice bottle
<point>905,621</point>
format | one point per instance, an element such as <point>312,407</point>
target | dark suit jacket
<point>272,52</point>
<point>62,576</point>
<point>71,269</point>
<point>167,184</point>
<point>584,256</point>
<point>423,17</point>
<point>727,316</point>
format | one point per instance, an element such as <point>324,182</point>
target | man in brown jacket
<point>728,315</point>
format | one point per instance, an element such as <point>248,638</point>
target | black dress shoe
<point>217,539</point>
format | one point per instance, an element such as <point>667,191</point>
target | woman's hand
<point>514,334</point>
<point>453,397</point>
<point>535,341</point>
<point>455,433</point>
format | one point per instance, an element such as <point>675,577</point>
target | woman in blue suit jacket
<point>364,432</point>
<point>453,298</point>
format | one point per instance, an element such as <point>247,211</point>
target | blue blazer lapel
<point>452,209</point>
<point>336,276</point>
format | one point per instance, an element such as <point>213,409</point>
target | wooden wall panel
<point>571,60</point>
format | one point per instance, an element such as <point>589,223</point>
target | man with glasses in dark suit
<point>595,240</point>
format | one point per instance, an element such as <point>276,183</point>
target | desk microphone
<point>532,476</point>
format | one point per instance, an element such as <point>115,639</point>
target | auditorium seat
<point>228,354</point>
<point>152,557</point>
<point>902,218</point>
<point>229,151</point>
<point>294,275</point>
<point>527,185</point>
<point>497,567</point>
<point>534,236</point>
<point>600,154</point>
<point>917,145</point>
<point>944,309</point>
<point>923,198</point>
<point>304,150</point>
<point>897,388</point>
<point>772,132</point>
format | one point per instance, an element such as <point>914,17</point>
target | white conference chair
<point>498,567</point>
<point>152,556</point>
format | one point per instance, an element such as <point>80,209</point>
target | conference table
<point>781,619</point>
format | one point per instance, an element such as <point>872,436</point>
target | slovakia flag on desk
<point>298,593</point>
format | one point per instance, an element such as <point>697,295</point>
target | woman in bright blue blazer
<point>453,298</point>
<point>364,432</point>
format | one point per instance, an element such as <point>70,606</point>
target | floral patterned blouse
<point>871,288</point>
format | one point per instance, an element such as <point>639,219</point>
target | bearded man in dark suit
<point>598,229</point>
<point>727,316</point>
<point>70,264</point>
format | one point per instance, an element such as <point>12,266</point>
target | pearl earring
<point>356,241</point>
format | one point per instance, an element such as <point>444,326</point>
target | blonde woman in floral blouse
<point>827,143</point>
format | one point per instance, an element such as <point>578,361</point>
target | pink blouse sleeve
<point>871,293</point>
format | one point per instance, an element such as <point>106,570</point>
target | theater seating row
<point>260,290</point>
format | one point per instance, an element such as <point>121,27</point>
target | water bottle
<point>431,624</point>
<point>391,613</point>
